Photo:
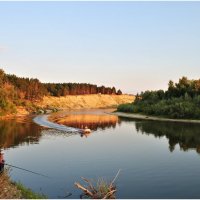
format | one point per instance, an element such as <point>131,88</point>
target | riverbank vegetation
<point>13,190</point>
<point>181,100</point>
<point>101,190</point>
<point>8,190</point>
<point>27,193</point>
<point>16,91</point>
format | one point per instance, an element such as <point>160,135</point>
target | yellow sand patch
<point>85,101</point>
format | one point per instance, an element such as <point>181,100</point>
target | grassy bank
<point>27,193</point>
<point>8,190</point>
<point>13,190</point>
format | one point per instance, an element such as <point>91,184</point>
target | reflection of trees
<point>14,132</point>
<point>93,122</point>
<point>186,135</point>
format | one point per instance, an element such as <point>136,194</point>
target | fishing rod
<point>27,170</point>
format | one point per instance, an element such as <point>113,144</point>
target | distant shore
<point>153,118</point>
<point>50,104</point>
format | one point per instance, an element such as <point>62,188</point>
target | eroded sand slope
<point>85,101</point>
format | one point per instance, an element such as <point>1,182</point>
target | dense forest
<point>15,91</point>
<point>63,89</point>
<point>181,100</point>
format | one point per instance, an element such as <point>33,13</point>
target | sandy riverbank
<point>146,117</point>
<point>74,102</point>
<point>85,101</point>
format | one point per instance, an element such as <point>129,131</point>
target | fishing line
<point>27,170</point>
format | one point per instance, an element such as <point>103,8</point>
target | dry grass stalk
<point>102,189</point>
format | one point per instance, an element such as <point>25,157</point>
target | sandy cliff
<point>85,101</point>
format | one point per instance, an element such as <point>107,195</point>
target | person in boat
<point>86,130</point>
<point>2,162</point>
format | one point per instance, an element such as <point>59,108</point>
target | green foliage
<point>28,193</point>
<point>181,100</point>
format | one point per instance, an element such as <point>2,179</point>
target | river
<point>157,159</point>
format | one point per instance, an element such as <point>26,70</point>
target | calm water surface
<point>157,159</point>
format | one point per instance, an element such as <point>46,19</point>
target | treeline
<point>33,89</point>
<point>25,88</point>
<point>63,89</point>
<point>22,91</point>
<point>181,100</point>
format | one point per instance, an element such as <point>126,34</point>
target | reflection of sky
<point>132,45</point>
<point>146,163</point>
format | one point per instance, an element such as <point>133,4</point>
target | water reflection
<point>146,162</point>
<point>17,131</point>
<point>187,136</point>
<point>92,121</point>
<point>23,131</point>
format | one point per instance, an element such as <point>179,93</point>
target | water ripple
<point>42,120</point>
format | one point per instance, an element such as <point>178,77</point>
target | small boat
<point>86,130</point>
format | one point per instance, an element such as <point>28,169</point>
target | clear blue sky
<point>134,46</point>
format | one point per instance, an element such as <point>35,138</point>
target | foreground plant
<point>101,190</point>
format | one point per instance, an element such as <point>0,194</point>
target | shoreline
<point>13,116</point>
<point>20,112</point>
<point>153,118</point>
<point>16,190</point>
<point>51,104</point>
<point>7,185</point>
